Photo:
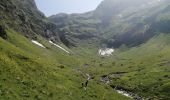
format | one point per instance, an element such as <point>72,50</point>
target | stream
<point>105,79</point>
<point>129,94</point>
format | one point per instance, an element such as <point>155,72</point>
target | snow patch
<point>106,52</point>
<point>37,43</point>
<point>59,47</point>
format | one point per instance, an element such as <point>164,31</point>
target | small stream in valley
<point>105,79</point>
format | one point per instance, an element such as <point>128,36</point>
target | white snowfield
<point>106,52</point>
<point>37,43</point>
<point>59,47</point>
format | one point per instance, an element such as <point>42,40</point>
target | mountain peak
<point>109,8</point>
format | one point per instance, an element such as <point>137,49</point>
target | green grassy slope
<point>146,68</point>
<point>29,72</point>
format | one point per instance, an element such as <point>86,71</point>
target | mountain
<point>24,17</point>
<point>75,27</point>
<point>124,18</point>
<point>109,9</point>
<point>119,51</point>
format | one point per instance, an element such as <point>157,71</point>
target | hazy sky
<point>50,7</point>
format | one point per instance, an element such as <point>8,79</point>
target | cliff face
<point>24,17</point>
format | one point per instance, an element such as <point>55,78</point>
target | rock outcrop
<point>24,17</point>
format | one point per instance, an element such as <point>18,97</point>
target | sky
<point>52,7</point>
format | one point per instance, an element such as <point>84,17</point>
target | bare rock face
<point>24,17</point>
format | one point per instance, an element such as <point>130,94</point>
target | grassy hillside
<point>144,70</point>
<point>148,68</point>
<point>30,72</point>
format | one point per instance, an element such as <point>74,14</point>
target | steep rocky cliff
<point>23,16</point>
